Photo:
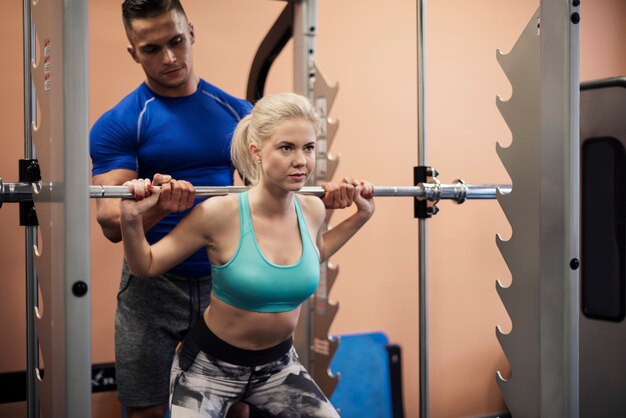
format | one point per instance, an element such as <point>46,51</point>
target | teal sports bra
<point>249,281</point>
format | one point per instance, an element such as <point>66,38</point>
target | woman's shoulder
<point>217,208</point>
<point>220,205</point>
<point>217,213</point>
<point>312,207</point>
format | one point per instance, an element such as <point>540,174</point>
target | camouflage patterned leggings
<point>205,384</point>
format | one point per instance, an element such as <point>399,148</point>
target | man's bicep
<point>114,177</point>
<point>113,144</point>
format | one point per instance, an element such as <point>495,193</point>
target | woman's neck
<point>270,201</point>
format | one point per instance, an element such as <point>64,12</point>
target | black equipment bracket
<point>423,209</point>
<point>29,172</point>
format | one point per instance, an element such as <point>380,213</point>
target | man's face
<point>162,45</point>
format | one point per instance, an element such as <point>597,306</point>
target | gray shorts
<point>153,315</point>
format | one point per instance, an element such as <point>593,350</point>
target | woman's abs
<point>249,330</point>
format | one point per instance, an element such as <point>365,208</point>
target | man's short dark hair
<point>143,9</point>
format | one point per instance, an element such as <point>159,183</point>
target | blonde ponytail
<point>239,153</point>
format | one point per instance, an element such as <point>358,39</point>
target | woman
<point>265,263</point>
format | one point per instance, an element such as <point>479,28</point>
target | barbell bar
<point>459,191</point>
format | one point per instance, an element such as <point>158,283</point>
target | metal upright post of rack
<point>422,224</point>
<point>560,207</point>
<point>543,251</point>
<point>59,325</point>
<point>309,81</point>
<point>304,27</point>
<point>30,225</point>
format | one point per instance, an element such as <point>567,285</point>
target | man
<point>173,123</point>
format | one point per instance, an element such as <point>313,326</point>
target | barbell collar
<point>15,192</point>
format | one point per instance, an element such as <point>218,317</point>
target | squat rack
<point>59,86</point>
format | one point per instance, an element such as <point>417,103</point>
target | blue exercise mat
<point>363,390</point>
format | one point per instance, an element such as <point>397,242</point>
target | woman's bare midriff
<point>249,330</point>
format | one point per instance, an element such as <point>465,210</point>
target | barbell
<point>459,191</point>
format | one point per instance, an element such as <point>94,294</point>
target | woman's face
<point>287,158</point>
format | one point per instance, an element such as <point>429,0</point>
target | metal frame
<point>552,157</point>
<point>422,231</point>
<point>522,252</point>
<point>543,209</point>
<point>61,258</point>
<point>313,341</point>
<point>63,200</point>
<point>30,232</point>
<point>560,208</point>
<point>304,27</point>
<point>77,222</point>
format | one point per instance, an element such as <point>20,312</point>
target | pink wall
<point>369,48</point>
